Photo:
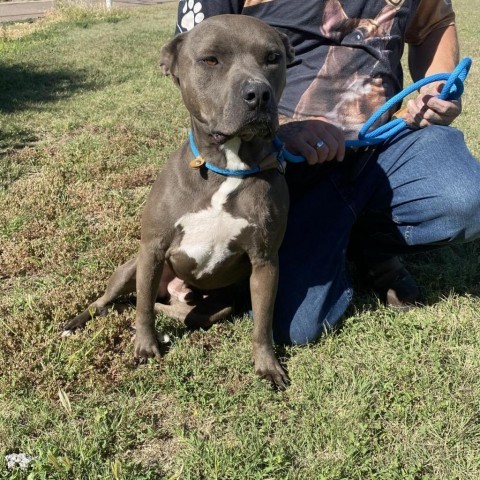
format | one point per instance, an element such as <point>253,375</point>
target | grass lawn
<point>86,122</point>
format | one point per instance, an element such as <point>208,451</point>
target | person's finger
<point>310,153</point>
<point>334,138</point>
<point>329,147</point>
<point>429,110</point>
<point>445,110</point>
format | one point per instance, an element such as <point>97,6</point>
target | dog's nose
<point>256,94</point>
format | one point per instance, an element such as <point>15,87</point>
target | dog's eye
<point>211,61</point>
<point>273,57</point>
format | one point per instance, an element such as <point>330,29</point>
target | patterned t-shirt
<point>347,53</point>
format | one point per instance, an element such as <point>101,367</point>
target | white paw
<point>164,338</point>
<point>192,14</point>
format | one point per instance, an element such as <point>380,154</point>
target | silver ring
<point>320,144</point>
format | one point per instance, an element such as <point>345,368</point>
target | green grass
<point>86,121</point>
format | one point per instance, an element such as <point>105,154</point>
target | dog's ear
<point>289,50</point>
<point>169,56</point>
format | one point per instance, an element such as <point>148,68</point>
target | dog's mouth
<point>261,130</point>
<point>220,138</point>
<point>257,128</point>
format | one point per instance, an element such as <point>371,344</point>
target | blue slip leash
<point>199,162</point>
<point>452,90</point>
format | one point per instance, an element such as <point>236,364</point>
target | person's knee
<point>297,335</point>
<point>310,322</point>
<point>440,137</point>
<point>460,214</point>
<point>457,200</point>
<point>463,203</point>
<point>302,318</point>
<point>301,322</point>
<point>458,207</point>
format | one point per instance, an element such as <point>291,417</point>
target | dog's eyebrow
<point>215,49</point>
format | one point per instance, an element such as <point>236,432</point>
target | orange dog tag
<point>197,162</point>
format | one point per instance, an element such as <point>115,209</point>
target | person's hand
<point>317,140</point>
<point>427,109</point>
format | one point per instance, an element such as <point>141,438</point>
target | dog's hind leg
<point>201,312</point>
<point>122,282</point>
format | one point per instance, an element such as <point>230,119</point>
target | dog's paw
<point>268,368</point>
<point>146,346</point>
<point>191,15</point>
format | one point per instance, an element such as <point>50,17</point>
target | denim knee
<point>319,312</point>
<point>283,336</point>
<point>460,214</point>
<point>458,183</point>
<point>435,186</point>
<point>299,334</point>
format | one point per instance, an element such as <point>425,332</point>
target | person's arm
<point>436,51</point>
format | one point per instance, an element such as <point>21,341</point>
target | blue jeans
<point>419,190</point>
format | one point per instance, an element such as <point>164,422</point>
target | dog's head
<point>231,71</point>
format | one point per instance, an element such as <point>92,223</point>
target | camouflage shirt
<point>347,53</point>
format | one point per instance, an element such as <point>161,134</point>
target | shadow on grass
<point>17,138</point>
<point>453,269</point>
<point>23,86</point>
<point>439,273</point>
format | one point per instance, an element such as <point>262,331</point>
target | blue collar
<point>265,164</point>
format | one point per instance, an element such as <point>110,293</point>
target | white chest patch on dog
<point>207,234</point>
<point>231,149</point>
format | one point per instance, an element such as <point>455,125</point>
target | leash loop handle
<point>452,90</point>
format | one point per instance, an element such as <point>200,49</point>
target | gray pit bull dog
<point>205,228</point>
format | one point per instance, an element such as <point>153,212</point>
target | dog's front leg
<point>149,271</point>
<point>263,288</point>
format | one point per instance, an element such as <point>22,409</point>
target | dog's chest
<point>207,236</point>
